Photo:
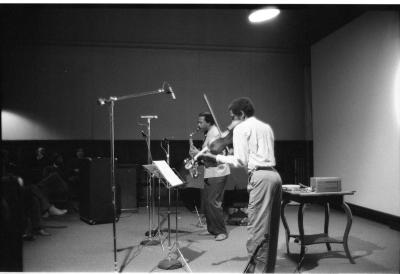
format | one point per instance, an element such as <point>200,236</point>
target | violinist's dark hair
<point>207,117</point>
<point>242,104</point>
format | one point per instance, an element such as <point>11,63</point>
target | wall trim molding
<point>384,218</point>
<point>161,46</point>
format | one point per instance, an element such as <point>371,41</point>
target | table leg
<point>346,232</point>
<point>301,235</point>
<point>287,230</point>
<point>326,225</point>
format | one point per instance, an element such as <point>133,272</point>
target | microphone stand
<point>169,196</point>
<point>111,102</point>
<point>150,191</point>
<point>112,163</point>
<point>103,101</point>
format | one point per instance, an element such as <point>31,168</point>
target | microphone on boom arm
<point>168,90</point>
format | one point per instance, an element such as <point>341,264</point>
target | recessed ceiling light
<point>264,14</point>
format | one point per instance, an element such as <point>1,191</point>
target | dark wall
<point>55,67</point>
<point>50,91</point>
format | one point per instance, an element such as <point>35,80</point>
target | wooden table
<point>324,198</point>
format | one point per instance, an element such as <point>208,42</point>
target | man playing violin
<point>215,178</point>
<point>253,148</point>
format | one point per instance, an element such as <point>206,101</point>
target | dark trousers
<point>35,204</point>
<point>54,188</point>
<point>213,195</point>
<point>40,199</point>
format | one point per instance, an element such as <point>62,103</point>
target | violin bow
<point>212,113</point>
<point>216,124</point>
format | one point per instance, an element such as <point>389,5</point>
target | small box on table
<point>326,184</point>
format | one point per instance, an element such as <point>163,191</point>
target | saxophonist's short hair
<point>207,117</point>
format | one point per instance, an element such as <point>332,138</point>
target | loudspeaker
<point>96,195</point>
<point>126,176</point>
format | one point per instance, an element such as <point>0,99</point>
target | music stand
<point>171,180</point>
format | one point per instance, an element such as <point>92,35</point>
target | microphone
<point>143,134</point>
<point>169,90</point>
<point>149,117</point>
<point>101,101</point>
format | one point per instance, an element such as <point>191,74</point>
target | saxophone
<point>190,163</point>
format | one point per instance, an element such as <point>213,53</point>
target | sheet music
<point>168,174</point>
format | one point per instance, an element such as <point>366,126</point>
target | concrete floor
<point>78,247</point>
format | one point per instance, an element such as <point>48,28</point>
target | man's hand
<point>193,151</point>
<point>209,156</point>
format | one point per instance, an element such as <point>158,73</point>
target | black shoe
<point>28,237</point>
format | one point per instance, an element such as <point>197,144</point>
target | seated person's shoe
<point>42,232</point>
<point>28,237</point>
<point>56,211</point>
<point>221,237</point>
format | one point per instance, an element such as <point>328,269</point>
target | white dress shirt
<point>221,169</point>
<point>253,145</point>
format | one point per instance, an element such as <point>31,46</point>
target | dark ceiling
<point>297,26</point>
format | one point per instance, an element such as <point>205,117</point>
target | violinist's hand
<point>209,155</point>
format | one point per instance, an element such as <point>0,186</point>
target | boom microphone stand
<point>166,88</point>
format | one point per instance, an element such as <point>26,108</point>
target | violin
<point>221,144</point>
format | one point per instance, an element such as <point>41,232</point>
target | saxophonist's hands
<point>193,151</point>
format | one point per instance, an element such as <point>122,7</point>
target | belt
<point>261,168</point>
<point>264,168</point>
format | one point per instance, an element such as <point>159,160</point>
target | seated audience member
<point>37,206</point>
<point>11,225</point>
<point>54,183</point>
<point>32,213</point>
<point>37,165</point>
<point>56,165</point>
<point>6,164</point>
<point>32,202</point>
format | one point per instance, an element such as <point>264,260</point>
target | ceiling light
<point>264,14</point>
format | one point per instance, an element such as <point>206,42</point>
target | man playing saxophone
<point>215,178</point>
